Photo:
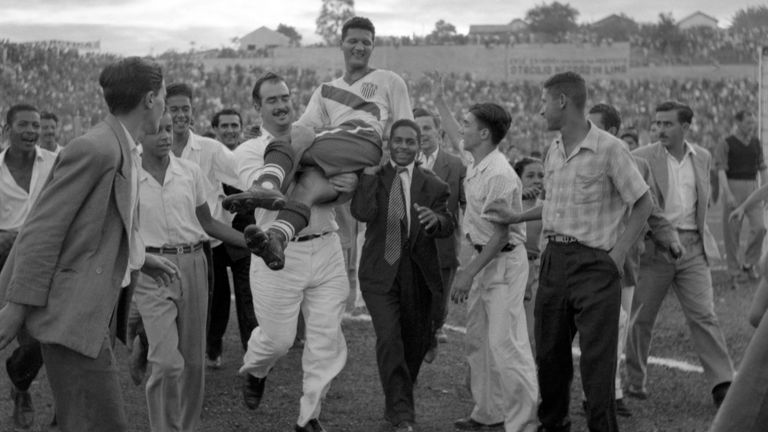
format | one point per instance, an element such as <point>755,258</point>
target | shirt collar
<point>689,150</point>
<point>408,167</point>
<point>38,154</point>
<point>174,169</point>
<point>590,141</point>
<point>131,143</point>
<point>486,161</point>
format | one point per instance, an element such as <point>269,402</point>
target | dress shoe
<point>255,197</point>
<point>137,361</point>
<point>269,245</point>
<point>719,392</point>
<point>253,390</point>
<point>404,426</point>
<point>311,426</point>
<point>469,424</point>
<point>636,392</point>
<point>622,410</point>
<point>23,411</point>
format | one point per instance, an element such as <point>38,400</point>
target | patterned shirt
<point>379,99</point>
<point>588,192</point>
<point>494,192</point>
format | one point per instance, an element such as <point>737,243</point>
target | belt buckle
<point>179,250</point>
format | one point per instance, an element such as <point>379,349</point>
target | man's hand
<point>372,170</point>
<point>344,183</point>
<point>618,258</point>
<point>461,286</point>
<point>427,218</point>
<point>737,214</point>
<point>11,318</point>
<point>531,193</point>
<point>161,269</point>
<point>676,250</point>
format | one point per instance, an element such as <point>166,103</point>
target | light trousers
<point>731,228</point>
<point>174,321</point>
<point>502,370</point>
<point>314,281</point>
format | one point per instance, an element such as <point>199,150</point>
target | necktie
<point>395,216</point>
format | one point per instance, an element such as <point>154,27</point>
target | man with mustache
<point>350,115</point>
<point>23,170</point>
<point>49,132</point>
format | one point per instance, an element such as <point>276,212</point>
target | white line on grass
<point>658,361</point>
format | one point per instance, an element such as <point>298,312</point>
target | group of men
<point>103,228</point>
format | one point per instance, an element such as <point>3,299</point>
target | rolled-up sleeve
<point>498,205</point>
<point>625,176</point>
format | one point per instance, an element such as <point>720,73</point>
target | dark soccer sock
<point>293,218</point>
<point>279,158</point>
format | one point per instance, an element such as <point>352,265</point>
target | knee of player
<point>169,367</point>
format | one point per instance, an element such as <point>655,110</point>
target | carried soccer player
<point>340,132</point>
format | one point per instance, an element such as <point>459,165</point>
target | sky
<point>138,27</point>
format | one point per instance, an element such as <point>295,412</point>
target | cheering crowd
<point>127,232</point>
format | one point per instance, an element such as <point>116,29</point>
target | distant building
<point>262,38</point>
<point>502,30</point>
<point>697,19</point>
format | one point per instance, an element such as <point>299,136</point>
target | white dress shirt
<point>135,242</point>
<point>15,202</point>
<point>680,202</point>
<point>428,161</point>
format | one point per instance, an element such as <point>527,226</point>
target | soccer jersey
<point>378,99</point>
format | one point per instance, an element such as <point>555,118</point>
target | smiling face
<point>357,47</point>
<point>533,175</point>
<point>158,144</point>
<point>180,108</point>
<point>430,134</point>
<point>24,130</point>
<point>229,130</point>
<point>49,131</point>
<point>403,145</point>
<point>275,108</point>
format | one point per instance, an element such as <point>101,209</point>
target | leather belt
<point>175,250</point>
<point>533,256</point>
<point>562,239</point>
<point>310,236</point>
<point>509,247</point>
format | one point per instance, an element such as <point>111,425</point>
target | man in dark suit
<point>405,209</point>
<point>63,278</point>
<point>450,170</point>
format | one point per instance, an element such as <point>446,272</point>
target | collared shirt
<point>588,192</point>
<point>135,242</point>
<point>250,161</point>
<point>167,210</point>
<point>428,161</point>
<point>15,202</point>
<point>494,192</point>
<point>680,198</point>
<point>405,178</point>
<point>218,165</point>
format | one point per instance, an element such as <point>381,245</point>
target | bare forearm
<point>450,125</point>
<point>224,233</point>
<point>490,250</point>
<point>760,195</point>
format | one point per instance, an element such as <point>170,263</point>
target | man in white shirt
<point>49,132</point>
<point>23,170</point>
<point>314,280</point>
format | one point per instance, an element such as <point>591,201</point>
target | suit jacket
<point>450,169</point>
<point>71,255</point>
<point>369,205</point>
<point>656,156</point>
<point>659,229</point>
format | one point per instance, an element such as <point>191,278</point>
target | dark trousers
<point>25,361</point>
<point>86,391</point>
<point>579,291</point>
<point>403,325</point>
<point>220,299</point>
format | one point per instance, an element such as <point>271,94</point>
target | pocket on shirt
<point>588,188</point>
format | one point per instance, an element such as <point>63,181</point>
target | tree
<point>293,35</point>
<point>751,17</point>
<point>554,19</point>
<point>443,33</point>
<point>332,17</point>
<point>668,35</point>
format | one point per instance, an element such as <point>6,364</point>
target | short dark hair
<point>266,76</point>
<point>741,115</point>
<point>125,83</point>
<point>494,117</point>
<point>15,109</point>
<point>611,117</point>
<point>405,123</point>
<point>357,22</point>
<point>422,112</point>
<point>524,162</point>
<point>571,84</point>
<point>684,112</point>
<point>47,115</point>
<point>178,89</point>
<point>225,111</point>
